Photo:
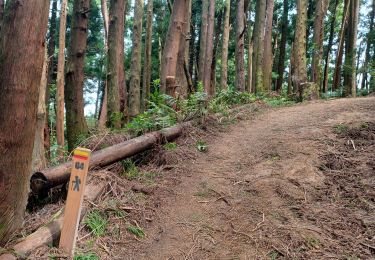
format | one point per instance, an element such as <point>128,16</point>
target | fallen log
<point>52,177</point>
<point>46,179</point>
<point>49,233</point>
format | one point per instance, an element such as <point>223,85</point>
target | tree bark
<point>368,48</point>
<point>284,36</point>
<point>22,56</point>
<point>340,50</point>
<point>148,57</point>
<point>329,46</point>
<point>224,52</point>
<point>1,13</point>
<point>350,82</point>
<point>75,120</point>
<point>321,10</point>
<point>258,39</point>
<point>299,78</point>
<point>115,75</point>
<point>61,81</point>
<point>268,56</point>
<point>135,68</point>
<point>39,160</point>
<point>203,39</point>
<point>104,106</point>
<point>209,51</point>
<point>172,47</point>
<point>240,46</point>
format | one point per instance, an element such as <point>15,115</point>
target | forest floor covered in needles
<point>282,183</point>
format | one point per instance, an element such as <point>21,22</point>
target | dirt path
<point>251,195</point>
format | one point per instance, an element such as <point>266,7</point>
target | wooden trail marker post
<point>77,183</point>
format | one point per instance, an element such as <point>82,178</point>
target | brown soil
<point>289,183</point>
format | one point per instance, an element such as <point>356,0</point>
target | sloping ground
<point>293,183</point>
<point>258,193</point>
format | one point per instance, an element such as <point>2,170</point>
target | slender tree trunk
<point>329,46</point>
<point>135,69</point>
<point>240,46</point>
<point>250,66</point>
<point>172,48</point>
<point>258,37</point>
<point>340,50</point>
<point>21,66</point>
<point>224,52</point>
<point>147,57</point>
<point>299,78</point>
<point>76,125</point>
<point>203,39</point>
<point>284,36</point>
<point>321,10</point>
<point>1,13</point>
<point>104,106</point>
<point>291,71</point>
<point>39,160</point>
<point>115,76</point>
<point>268,56</point>
<point>50,77</point>
<point>61,81</point>
<point>218,32</point>
<point>192,48</point>
<point>209,51</point>
<point>350,82</point>
<point>368,48</point>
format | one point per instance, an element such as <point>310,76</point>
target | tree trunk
<point>209,51</point>
<point>50,77</point>
<point>350,84</point>
<point>268,56</point>
<point>240,46</point>
<point>224,52</point>
<point>172,47</point>
<point>39,160</point>
<point>22,56</point>
<point>61,81</point>
<point>135,68</point>
<point>329,47</point>
<point>299,78</point>
<point>340,50</point>
<point>368,48</point>
<point>258,39</point>
<point>115,75</point>
<point>148,56</point>
<point>321,10</point>
<point>284,37</point>
<point>104,106</point>
<point>2,13</point>
<point>203,39</point>
<point>76,125</point>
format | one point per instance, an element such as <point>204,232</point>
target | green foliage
<point>170,146</point>
<point>160,114</point>
<point>97,222</point>
<point>227,98</point>
<point>201,146</point>
<point>137,231</point>
<point>86,256</point>
<point>278,101</point>
<point>131,171</point>
<point>340,128</point>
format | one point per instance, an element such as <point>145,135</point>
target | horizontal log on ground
<point>52,177</point>
<point>49,233</point>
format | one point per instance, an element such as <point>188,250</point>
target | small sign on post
<point>81,159</point>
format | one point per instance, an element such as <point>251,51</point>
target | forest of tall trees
<point>83,66</point>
